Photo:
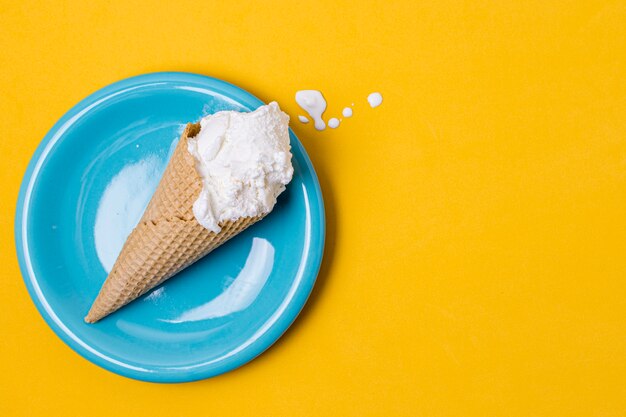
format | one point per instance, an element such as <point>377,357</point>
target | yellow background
<point>476,259</point>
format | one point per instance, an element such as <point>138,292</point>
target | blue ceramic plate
<point>87,186</point>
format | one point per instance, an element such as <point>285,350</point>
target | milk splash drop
<point>312,101</point>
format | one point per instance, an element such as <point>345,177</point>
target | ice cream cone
<point>168,237</point>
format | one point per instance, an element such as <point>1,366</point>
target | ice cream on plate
<point>244,160</point>
<point>225,174</point>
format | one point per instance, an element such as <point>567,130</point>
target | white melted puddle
<point>312,101</point>
<point>375,99</point>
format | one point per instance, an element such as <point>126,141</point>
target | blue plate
<point>85,189</point>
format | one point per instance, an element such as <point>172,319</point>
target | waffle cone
<point>167,239</point>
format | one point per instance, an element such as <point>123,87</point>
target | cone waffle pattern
<point>167,239</point>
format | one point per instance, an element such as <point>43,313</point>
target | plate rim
<point>171,374</point>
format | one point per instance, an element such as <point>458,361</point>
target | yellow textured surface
<point>476,260</point>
